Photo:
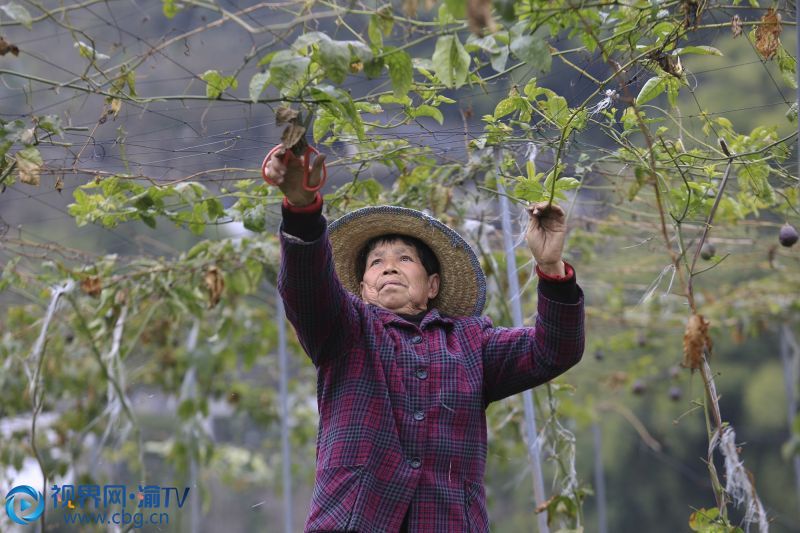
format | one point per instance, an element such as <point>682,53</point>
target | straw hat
<point>462,290</point>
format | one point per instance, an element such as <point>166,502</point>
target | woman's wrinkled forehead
<point>396,246</point>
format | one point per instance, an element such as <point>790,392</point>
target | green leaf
<point>663,30</point>
<point>374,33</point>
<point>374,67</point>
<point>702,519</point>
<point>701,50</point>
<point>322,125</point>
<point>380,25</point>
<point>17,13</point>
<point>216,83</point>
<point>88,51</point>
<point>533,51</point>
<point>391,99</point>
<point>215,209</point>
<point>498,54</point>
<point>170,8</point>
<point>791,114</point>
<point>457,8</point>
<point>400,71</point>
<point>566,184</point>
<point>788,67</point>
<point>9,274</point>
<point>499,60</point>
<point>143,201</point>
<point>451,61</point>
<point>530,169</point>
<point>339,104</point>
<point>428,111</point>
<point>651,89</point>
<point>50,124</point>
<point>197,249</point>
<point>334,57</point>
<point>673,87</point>
<point>266,60</point>
<point>130,79</point>
<point>288,70</point>
<point>258,83</point>
<point>149,220</point>
<point>505,107</point>
<point>530,190</point>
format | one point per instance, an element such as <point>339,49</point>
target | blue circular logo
<point>24,493</point>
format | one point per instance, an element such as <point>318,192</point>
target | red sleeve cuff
<point>569,271</point>
<point>313,207</point>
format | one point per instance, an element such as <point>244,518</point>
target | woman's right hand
<point>289,177</point>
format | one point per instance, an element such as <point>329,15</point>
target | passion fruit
<point>788,235</point>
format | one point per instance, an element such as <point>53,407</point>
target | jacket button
<point>416,339</point>
<point>422,373</point>
<point>415,463</point>
<point>419,415</point>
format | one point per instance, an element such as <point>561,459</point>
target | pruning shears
<point>295,146</point>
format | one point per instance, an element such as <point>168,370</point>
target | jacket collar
<point>433,317</point>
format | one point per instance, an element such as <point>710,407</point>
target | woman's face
<point>395,279</point>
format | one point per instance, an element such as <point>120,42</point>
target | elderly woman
<point>386,302</point>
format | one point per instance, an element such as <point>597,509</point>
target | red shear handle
<point>288,156</point>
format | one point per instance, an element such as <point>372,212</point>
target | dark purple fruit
<point>598,354</point>
<point>788,235</point>
<point>641,339</point>
<point>638,387</point>
<point>675,393</point>
<point>708,251</point>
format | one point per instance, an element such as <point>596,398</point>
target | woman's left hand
<point>547,230</point>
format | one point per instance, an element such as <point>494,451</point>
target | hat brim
<point>462,290</point>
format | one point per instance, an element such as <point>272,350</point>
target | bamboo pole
<point>283,362</point>
<point>790,357</point>
<point>599,478</point>
<point>516,311</point>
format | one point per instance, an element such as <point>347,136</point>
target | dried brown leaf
<point>115,106</point>
<point>736,26</point>
<point>542,507</point>
<point>59,183</point>
<point>285,115</point>
<point>410,7</point>
<point>479,15</point>
<point>768,34</point>
<point>695,341</point>
<point>215,284</point>
<point>121,297</point>
<point>29,169</point>
<point>691,10</point>
<point>292,135</point>
<point>616,380</point>
<point>8,48</point>
<point>92,286</point>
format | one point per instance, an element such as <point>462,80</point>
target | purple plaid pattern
<point>402,408</point>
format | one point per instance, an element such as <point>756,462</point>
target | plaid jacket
<point>402,408</point>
